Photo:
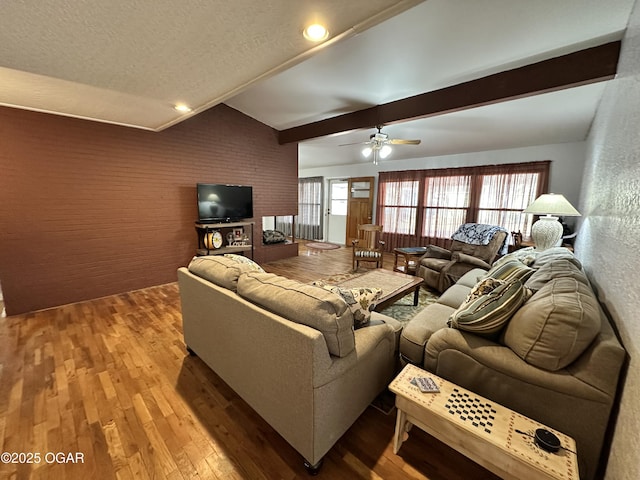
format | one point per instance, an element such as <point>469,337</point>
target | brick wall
<point>90,209</point>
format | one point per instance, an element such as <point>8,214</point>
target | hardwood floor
<point>108,383</point>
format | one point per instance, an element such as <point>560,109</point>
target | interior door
<point>337,211</point>
<point>359,205</point>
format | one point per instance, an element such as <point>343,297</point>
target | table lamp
<point>547,231</point>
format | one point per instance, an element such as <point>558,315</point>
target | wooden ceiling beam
<point>583,67</point>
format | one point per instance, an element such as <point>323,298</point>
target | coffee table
<point>493,436</point>
<point>394,285</point>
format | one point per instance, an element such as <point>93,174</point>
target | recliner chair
<point>441,268</point>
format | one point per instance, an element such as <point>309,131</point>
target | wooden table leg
<point>402,427</point>
<point>416,296</point>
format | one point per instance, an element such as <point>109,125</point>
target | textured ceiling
<point>436,44</point>
<point>129,62</point>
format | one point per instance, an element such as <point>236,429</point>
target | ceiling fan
<point>380,144</point>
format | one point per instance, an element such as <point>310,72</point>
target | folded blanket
<point>480,234</point>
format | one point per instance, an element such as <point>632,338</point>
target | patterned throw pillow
<point>361,301</point>
<point>487,314</point>
<point>484,286</point>
<point>509,271</point>
<point>247,261</point>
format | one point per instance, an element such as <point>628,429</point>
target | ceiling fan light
<point>366,151</point>
<point>385,151</point>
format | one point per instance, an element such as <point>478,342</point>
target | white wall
<point>608,242</point>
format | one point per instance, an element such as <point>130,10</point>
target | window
<point>446,205</point>
<point>309,220</point>
<point>339,197</point>
<point>399,206</point>
<point>504,196</point>
<point>446,198</point>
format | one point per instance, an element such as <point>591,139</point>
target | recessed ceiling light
<point>181,107</point>
<point>316,32</point>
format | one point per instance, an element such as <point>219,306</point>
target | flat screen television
<point>224,203</point>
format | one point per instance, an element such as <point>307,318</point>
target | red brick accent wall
<point>90,209</point>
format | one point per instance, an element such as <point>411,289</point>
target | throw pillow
<point>253,266</point>
<point>487,314</point>
<point>509,271</point>
<point>483,287</point>
<point>361,301</point>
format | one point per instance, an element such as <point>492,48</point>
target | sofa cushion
<point>218,269</point>
<point>554,254</point>
<point>512,270</point>
<point>361,300</point>
<point>454,296</point>
<point>246,260</point>
<point>487,314</point>
<point>472,277</point>
<point>524,255</point>
<point>555,325</point>
<point>557,269</point>
<point>306,304</point>
<point>417,332</point>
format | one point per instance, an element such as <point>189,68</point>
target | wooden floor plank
<point>111,379</point>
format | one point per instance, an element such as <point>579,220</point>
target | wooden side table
<point>491,435</point>
<point>408,256</point>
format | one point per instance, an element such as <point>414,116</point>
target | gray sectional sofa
<point>288,349</point>
<point>556,358</point>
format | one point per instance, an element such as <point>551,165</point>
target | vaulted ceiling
<point>129,63</point>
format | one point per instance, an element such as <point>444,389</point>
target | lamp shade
<point>552,204</point>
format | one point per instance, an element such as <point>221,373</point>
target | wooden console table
<point>493,436</point>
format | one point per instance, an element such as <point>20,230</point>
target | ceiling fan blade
<point>399,141</point>
<point>356,143</point>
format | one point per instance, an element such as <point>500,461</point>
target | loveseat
<point>288,349</point>
<point>542,346</point>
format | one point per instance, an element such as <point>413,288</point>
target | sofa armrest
<point>368,342</point>
<point>434,251</point>
<point>459,257</point>
<point>447,346</point>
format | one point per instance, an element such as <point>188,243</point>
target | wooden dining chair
<point>368,247</point>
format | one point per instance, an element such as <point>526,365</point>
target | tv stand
<point>204,230</point>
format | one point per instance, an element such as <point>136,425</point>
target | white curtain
<point>309,220</point>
